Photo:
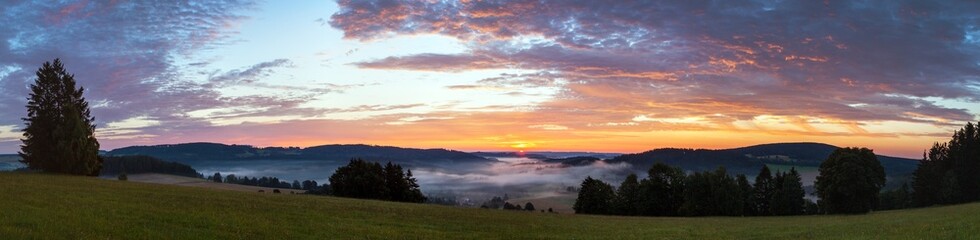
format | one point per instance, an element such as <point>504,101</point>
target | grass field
<point>65,207</point>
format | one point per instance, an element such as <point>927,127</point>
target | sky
<point>609,76</point>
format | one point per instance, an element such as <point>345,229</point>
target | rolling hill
<point>42,206</point>
<point>191,152</point>
<point>749,159</point>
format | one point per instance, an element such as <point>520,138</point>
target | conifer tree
<point>788,199</point>
<point>59,134</point>
<point>762,192</point>
<point>628,196</point>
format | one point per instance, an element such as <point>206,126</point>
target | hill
<point>136,164</point>
<point>748,160</point>
<point>67,207</point>
<point>189,153</point>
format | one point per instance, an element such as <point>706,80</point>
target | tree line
<point>269,182</point>
<point>667,191</point>
<point>949,172</point>
<point>121,165</point>
<point>498,202</point>
<point>849,182</point>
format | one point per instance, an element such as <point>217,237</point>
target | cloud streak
<point>851,62</point>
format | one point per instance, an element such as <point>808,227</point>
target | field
<point>66,207</point>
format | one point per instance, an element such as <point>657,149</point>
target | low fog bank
<point>465,184</point>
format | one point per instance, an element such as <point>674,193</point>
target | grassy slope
<point>51,206</point>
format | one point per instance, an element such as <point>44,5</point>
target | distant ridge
<point>204,151</point>
<point>749,159</point>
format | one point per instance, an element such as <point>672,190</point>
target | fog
<point>468,183</point>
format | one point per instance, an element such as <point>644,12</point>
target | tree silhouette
<point>595,197</point>
<point>662,191</point>
<point>762,192</point>
<point>59,133</point>
<point>628,196</point>
<point>788,198</point>
<point>950,172</point>
<point>849,181</point>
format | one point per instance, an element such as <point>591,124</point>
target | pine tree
<point>748,205</point>
<point>762,192</point>
<point>628,196</point>
<point>788,199</point>
<point>662,192</point>
<point>595,197</point>
<point>414,194</point>
<point>59,134</point>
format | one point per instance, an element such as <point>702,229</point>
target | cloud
<point>121,52</point>
<point>851,62</point>
<point>249,75</point>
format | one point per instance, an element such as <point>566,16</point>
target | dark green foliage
<point>114,165</point>
<point>662,191</point>
<point>216,177</point>
<point>413,192</point>
<point>363,179</point>
<point>762,193</point>
<point>359,179</point>
<point>950,172</point>
<point>748,206</point>
<point>927,180</point>
<point>810,207</point>
<point>270,182</point>
<point>528,206</point>
<point>788,198</point>
<point>895,199</point>
<point>59,133</point>
<point>628,196</point>
<point>122,177</point>
<point>595,197</point>
<point>309,185</point>
<point>849,181</point>
<point>297,185</point>
<point>712,194</point>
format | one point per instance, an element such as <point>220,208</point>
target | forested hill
<point>749,159</point>
<point>191,152</point>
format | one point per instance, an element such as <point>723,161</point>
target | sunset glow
<point>512,76</point>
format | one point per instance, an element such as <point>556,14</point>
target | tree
<point>788,198</point>
<point>359,179</point>
<point>528,206</point>
<point>712,194</point>
<point>746,189</point>
<point>414,193</point>
<point>395,182</point>
<point>950,172</point>
<point>309,185</point>
<point>662,191</point>
<point>628,196</point>
<point>217,177</point>
<point>595,197</point>
<point>895,199</point>
<point>849,181</point>
<point>762,192</point>
<point>59,133</point>
<point>362,179</point>
<point>928,176</point>
<point>297,185</point>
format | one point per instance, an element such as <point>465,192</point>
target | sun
<point>521,146</point>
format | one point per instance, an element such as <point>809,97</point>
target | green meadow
<point>43,206</point>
